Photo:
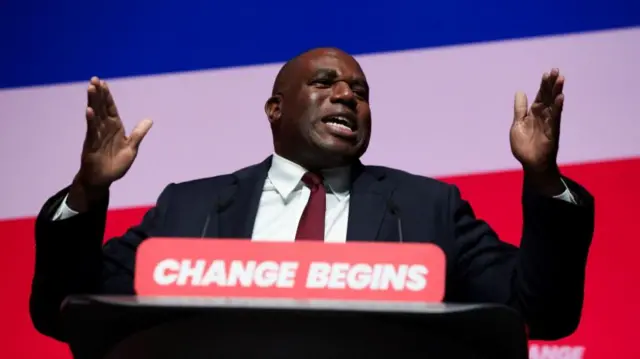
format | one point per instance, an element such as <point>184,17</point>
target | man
<point>315,187</point>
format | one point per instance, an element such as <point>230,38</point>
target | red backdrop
<point>610,308</point>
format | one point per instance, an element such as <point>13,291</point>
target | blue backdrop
<point>62,41</point>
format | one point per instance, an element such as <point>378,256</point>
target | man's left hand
<point>535,134</point>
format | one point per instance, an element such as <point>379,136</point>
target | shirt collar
<point>286,176</point>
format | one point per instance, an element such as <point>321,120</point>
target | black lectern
<point>107,327</point>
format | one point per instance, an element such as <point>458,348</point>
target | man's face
<point>325,110</point>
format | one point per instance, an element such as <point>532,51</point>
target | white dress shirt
<point>284,197</point>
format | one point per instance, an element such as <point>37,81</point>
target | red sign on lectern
<point>302,270</point>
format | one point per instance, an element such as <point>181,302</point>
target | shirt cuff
<point>566,196</point>
<point>63,211</point>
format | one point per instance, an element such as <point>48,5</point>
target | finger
<point>538,111</point>
<point>558,99</point>
<point>543,88</point>
<point>556,111</point>
<point>546,87</point>
<point>90,115</point>
<point>93,98</point>
<point>557,87</point>
<point>110,104</point>
<point>92,132</point>
<point>138,133</point>
<point>102,95</point>
<point>96,98</point>
<point>551,83</point>
<point>520,106</point>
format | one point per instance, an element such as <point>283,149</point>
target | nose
<point>342,93</point>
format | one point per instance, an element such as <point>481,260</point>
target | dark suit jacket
<point>543,280</point>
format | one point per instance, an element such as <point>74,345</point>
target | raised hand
<point>108,152</point>
<point>535,131</point>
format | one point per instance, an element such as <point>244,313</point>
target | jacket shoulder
<point>407,180</point>
<point>203,183</point>
<point>207,184</point>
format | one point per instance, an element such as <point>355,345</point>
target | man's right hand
<point>108,152</point>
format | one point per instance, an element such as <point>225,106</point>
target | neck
<point>323,163</point>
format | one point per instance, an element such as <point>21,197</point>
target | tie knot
<point>312,180</point>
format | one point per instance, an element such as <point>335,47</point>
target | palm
<point>535,131</point>
<point>108,153</point>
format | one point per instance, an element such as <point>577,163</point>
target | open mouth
<point>342,124</point>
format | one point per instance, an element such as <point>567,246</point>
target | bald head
<point>319,109</point>
<point>283,75</point>
<point>289,69</point>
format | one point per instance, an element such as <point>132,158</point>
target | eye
<point>360,92</point>
<point>322,82</point>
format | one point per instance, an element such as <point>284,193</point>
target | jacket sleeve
<point>71,258</point>
<point>544,278</point>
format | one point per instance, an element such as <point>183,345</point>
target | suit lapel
<point>237,204</point>
<point>370,193</point>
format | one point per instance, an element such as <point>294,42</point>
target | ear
<point>273,108</point>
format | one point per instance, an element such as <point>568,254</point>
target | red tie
<point>311,226</point>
